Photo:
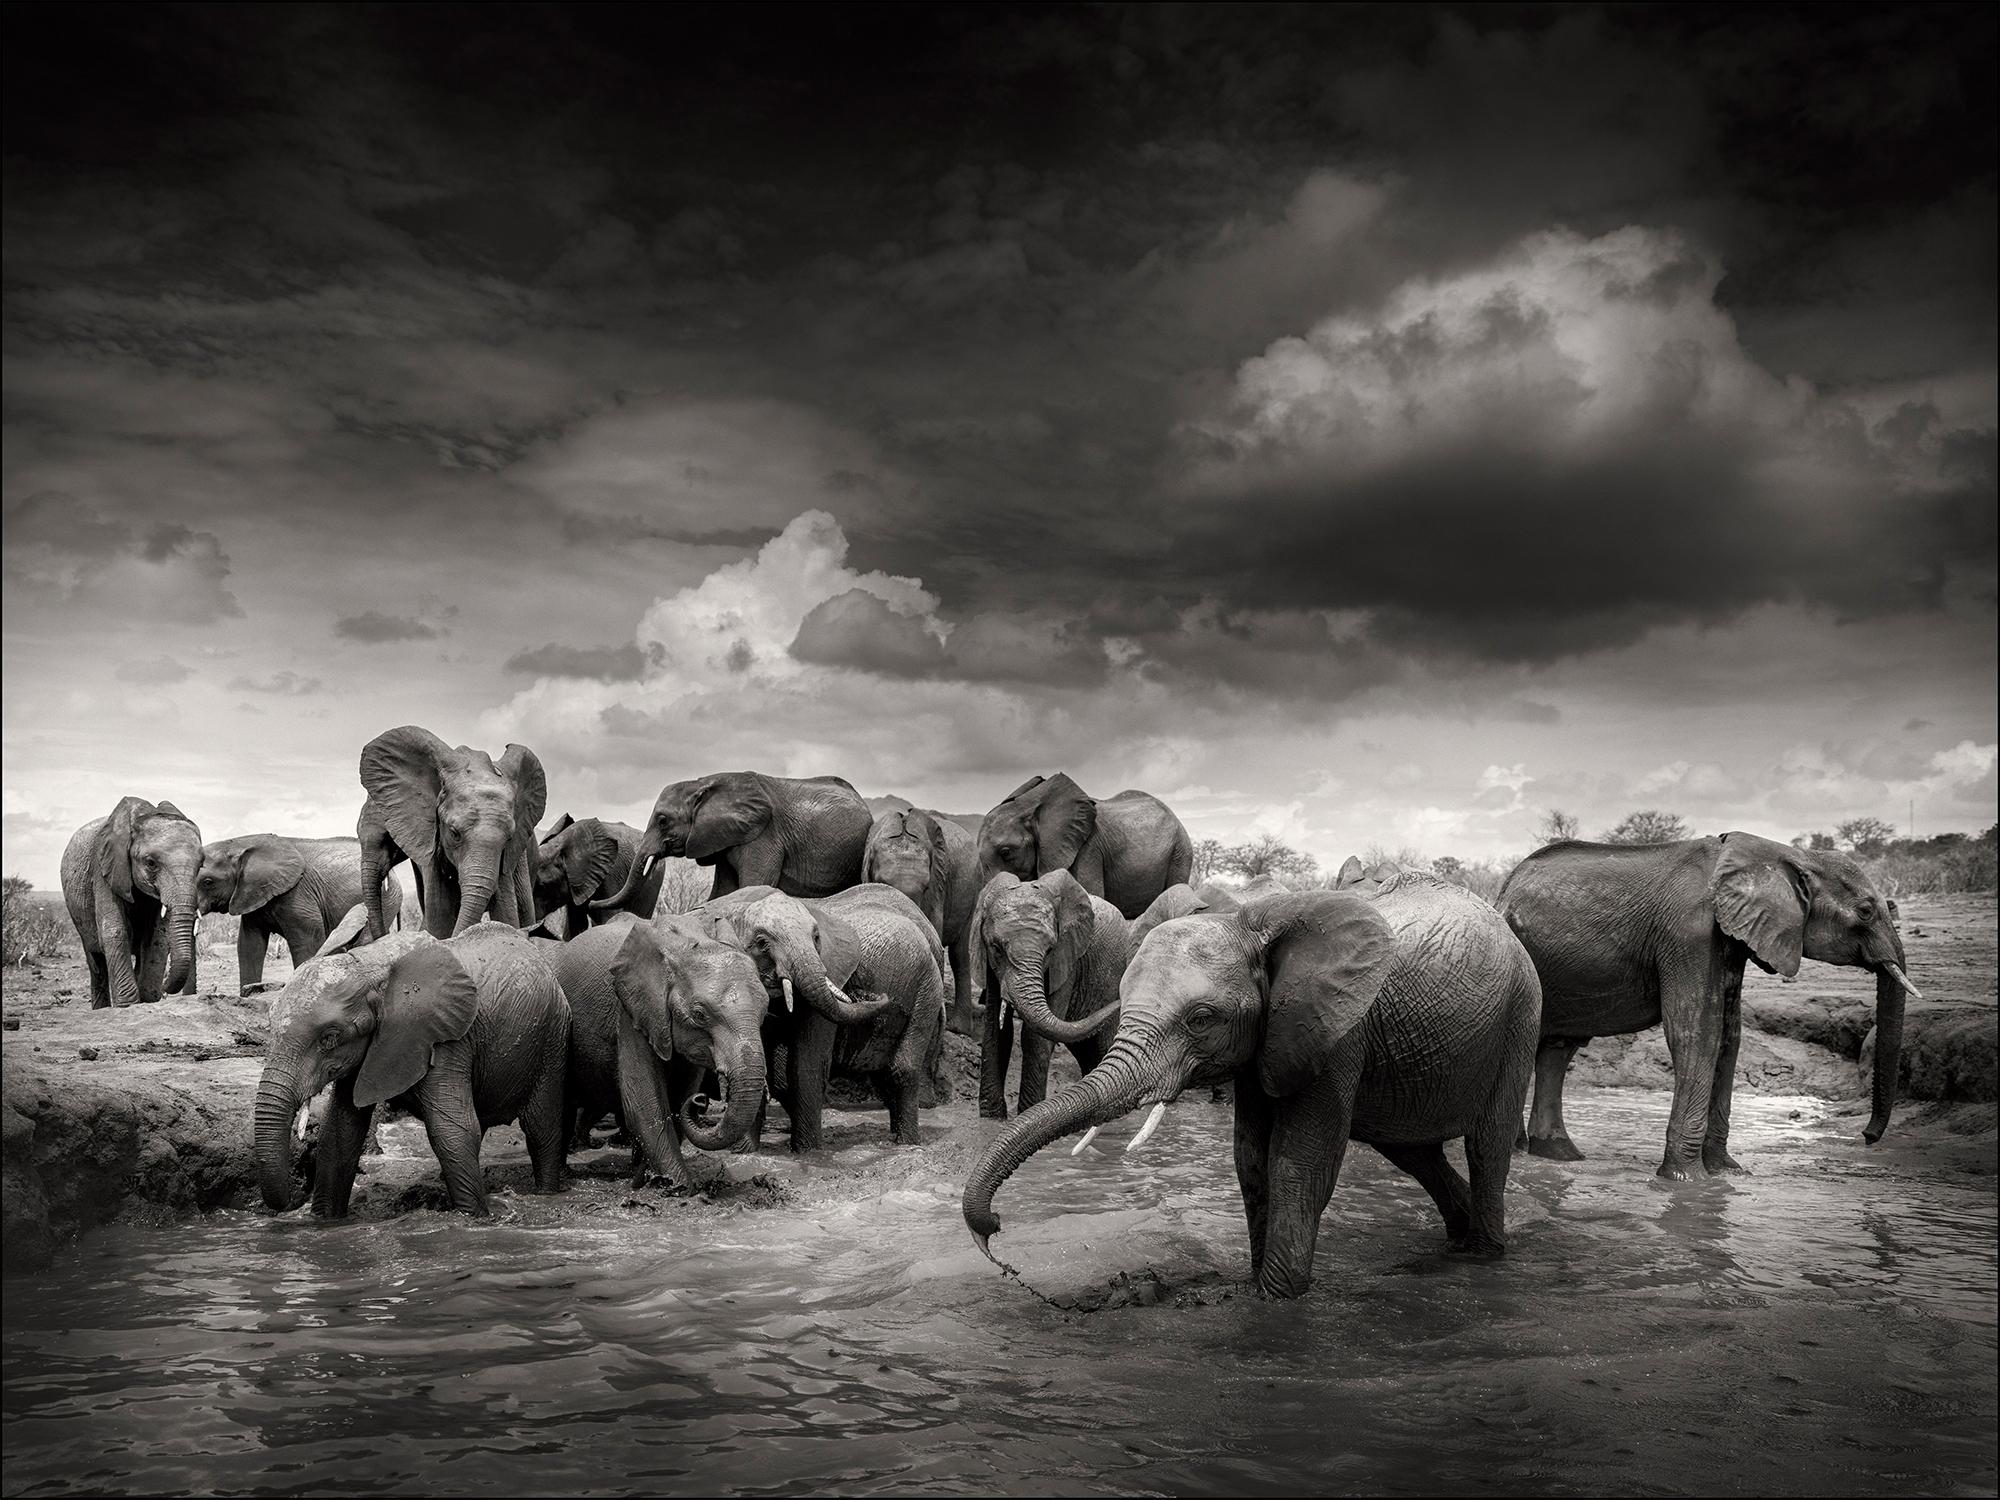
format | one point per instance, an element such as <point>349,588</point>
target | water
<point>1826,1325</point>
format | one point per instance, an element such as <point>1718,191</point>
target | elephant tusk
<point>1088,1136</point>
<point>786,986</point>
<point>838,993</point>
<point>300,1121</point>
<point>1146,1130</point>
<point>1896,973</point>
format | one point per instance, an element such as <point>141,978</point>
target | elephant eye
<point>329,1039</point>
<point>1201,1015</point>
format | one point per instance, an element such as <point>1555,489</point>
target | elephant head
<point>572,862</point>
<point>699,820</point>
<point>1029,939</point>
<point>373,1013</point>
<point>1041,826</point>
<point>242,874</point>
<point>459,810</point>
<point>802,952</point>
<point>683,994</point>
<point>151,853</point>
<point>1273,987</point>
<point>907,850</point>
<point>1784,903</point>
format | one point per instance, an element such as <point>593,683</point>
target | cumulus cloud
<point>608,663</point>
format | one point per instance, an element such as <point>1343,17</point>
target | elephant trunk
<point>826,997</point>
<point>1026,989</point>
<point>743,1088</point>
<point>277,1105</point>
<point>1114,1087</point>
<point>180,951</point>
<point>650,848</point>
<point>478,880</point>
<point>1890,984</point>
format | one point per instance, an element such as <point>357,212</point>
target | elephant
<point>809,953</point>
<point>465,822</point>
<point>930,858</point>
<point>120,875</point>
<point>802,835</point>
<point>578,859</point>
<point>296,888</point>
<point>1126,849</point>
<point>1403,1019</point>
<point>582,966</point>
<point>1627,936</point>
<point>465,1033</point>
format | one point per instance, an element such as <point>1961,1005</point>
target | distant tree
<point>1208,859</point>
<point>1267,854</point>
<point>1814,840</point>
<point>1863,835</point>
<point>14,885</point>
<point>1648,827</point>
<point>1448,867</point>
<point>1557,825</point>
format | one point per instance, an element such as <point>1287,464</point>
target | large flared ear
<point>168,810</point>
<point>1174,901</point>
<point>556,828</point>
<point>403,771</point>
<point>352,929</point>
<point>1064,823</point>
<point>1076,924</point>
<point>1353,872</point>
<point>111,850</point>
<point>265,870</point>
<point>839,948</point>
<point>933,834</point>
<point>982,909</point>
<point>427,998</point>
<point>730,810</point>
<point>1326,956</point>
<point>523,769</point>
<point>588,855</point>
<point>644,983</point>
<point>1027,786</point>
<point>1761,897</point>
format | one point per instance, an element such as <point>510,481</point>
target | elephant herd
<point>1394,1008</point>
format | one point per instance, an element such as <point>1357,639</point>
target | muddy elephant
<point>930,858</point>
<point>856,983</point>
<point>578,860</point>
<point>296,889</point>
<point>1126,849</point>
<point>1627,936</point>
<point>129,883</point>
<point>802,835</point>
<point>1403,1019</point>
<point>465,1034</point>
<point>465,821</point>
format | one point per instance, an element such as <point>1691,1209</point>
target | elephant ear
<point>427,998</point>
<point>402,770</point>
<point>731,810</point>
<point>1076,924</point>
<point>555,830</point>
<point>1020,791</point>
<point>523,768</point>
<point>1760,899</point>
<point>976,929</point>
<point>933,833</point>
<point>588,855</point>
<point>111,851</point>
<point>351,930</point>
<point>1351,873</point>
<point>1064,823</point>
<point>168,810</point>
<point>265,870</point>
<point>641,979</point>
<point>1174,901</point>
<point>1326,957</point>
<point>839,947</point>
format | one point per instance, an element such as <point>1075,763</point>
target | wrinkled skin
<point>867,980</point>
<point>578,860</point>
<point>1627,936</point>
<point>1126,849</point>
<point>1404,1019</point>
<point>465,1034</point>
<point>297,889</point>
<point>801,835</point>
<point>129,883</point>
<point>931,859</point>
<point>465,821</point>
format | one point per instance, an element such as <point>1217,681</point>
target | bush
<point>685,886</point>
<point>1945,865</point>
<point>32,926</point>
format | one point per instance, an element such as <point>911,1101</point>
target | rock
<point>1950,1052</point>
<point>1765,1064</point>
<point>1835,1022</point>
<point>88,1054</point>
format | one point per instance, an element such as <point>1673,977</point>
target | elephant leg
<point>454,1135</point>
<point>965,1018</point>
<point>1036,1053</point>
<point>1438,1177</point>
<point>812,1061</point>
<point>1547,1135</point>
<point>542,1123</point>
<point>251,945</point>
<point>1253,1153</point>
<point>649,1109</point>
<point>1489,1154</point>
<point>337,1156</point>
<point>1308,1142</point>
<point>995,1051</point>
<point>100,981</point>
<point>1715,1142</point>
<point>1691,1006</point>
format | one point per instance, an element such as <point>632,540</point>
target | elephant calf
<point>120,875</point>
<point>465,1034</point>
<point>298,889</point>
<point>579,859</point>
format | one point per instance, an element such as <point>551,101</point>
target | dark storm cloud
<point>69,552</point>
<point>375,627</point>
<point>859,630</point>
<point>624,663</point>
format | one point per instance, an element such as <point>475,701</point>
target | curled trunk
<point>277,1105</point>
<point>1027,991</point>
<point>744,1089</point>
<point>180,933</point>
<point>650,848</point>
<point>1889,1002</point>
<point>824,996</point>
<point>1113,1088</point>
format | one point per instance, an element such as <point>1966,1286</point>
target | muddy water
<point>1825,1325</point>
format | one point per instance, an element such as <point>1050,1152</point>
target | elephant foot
<point>1479,1247</point>
<point>1682,1171</point>
<point>1279,1289</point>
<point>1717,1160</point>
<point>992,1111</point>
<point>967,1022</point>
<point>1554,1148</point>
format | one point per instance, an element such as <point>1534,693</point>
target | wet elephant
<point>579,859</point>
<point>931,859</point>
<point>1126,849</point>
<point>297,889</point>
<point>129,883</point>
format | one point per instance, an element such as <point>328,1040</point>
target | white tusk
<point>300,1120</point>
<point>1896,973</point>
<point>1088,1136</point>
<point>1146,1130</point>
<point>838,993</point>
<point>786,986</point>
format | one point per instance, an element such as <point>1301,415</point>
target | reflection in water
<point>1824,1324</point>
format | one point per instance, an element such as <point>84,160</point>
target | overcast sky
<point>1369,426</point>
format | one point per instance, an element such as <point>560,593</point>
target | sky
<point>1369,426</point>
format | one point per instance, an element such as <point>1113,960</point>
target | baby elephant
<point>465,1034</point>
<point>298,889</point>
